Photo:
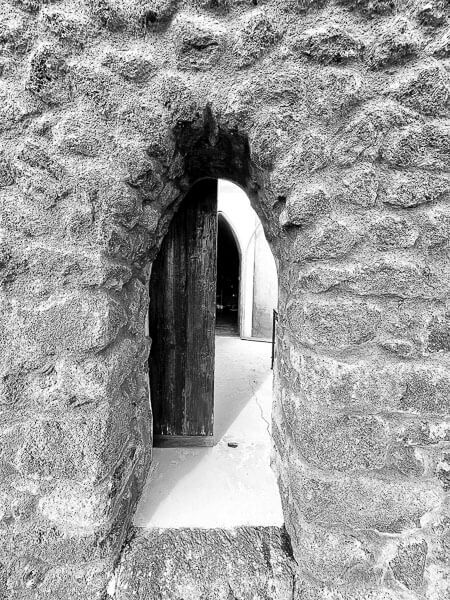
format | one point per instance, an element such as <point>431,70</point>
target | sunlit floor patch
<point>222,486</point>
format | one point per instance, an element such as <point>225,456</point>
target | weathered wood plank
<point>178,441</point>
<point>182,319</point>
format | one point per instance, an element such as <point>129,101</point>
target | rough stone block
<point>85,448</point>
<point>439,334</point>
<point>12,109</point>
<point>427,390</point>
<point>431,13</point>
<point>51,269</point>
<point>119,243</point>
<point>305,206</point>
<point>133,65</point>
<point>359,186</point>
<point>404,328</point>
<point>425,88</point>
<point>81,132</point>
<point>67,25</point>
<point>387,505</point>
<point>328,44</point>
<point>411,387</point>
<point>424,146</point>
<point>77,582</point>
<point>76,322</point>
<point>62,542</point>
<point>362,137</point>
<point>442,470</point>
<point>246,562</point>
<point>370,7</point>
<point>424,431</point>
<point>26,573</point>
<point>47,79</point>
<point>76,507</point>
<point>405,461</point>
<point>302,6</point>
<point>311,589</point>
<point>18,502</point>
<point>413,188</point>
<point>143,173</point>
<point>347,90</point>
<point>309,155</point>
<point>16,32</point>
<point>137,300</point>
<point>330,240</point>
<point>156,13</point>
<point>119,204</point>
<point>342,443</point>
<point>99,379</point>
<point>199,42</point>
<point>268,137</point>
<point>149,121</point>
<point>35,153</point>
<point>7,174</point>
<point>402,278</point>
<point>37,194</point>
<point>336,324</point>
<point>397,41</point>
<point>440,47</point>
<point>218,6</point>
<point>256,35</point>
<point>108,13</point>
<point>409,564</point>
<point>391,232</point>
<point>333,557</point>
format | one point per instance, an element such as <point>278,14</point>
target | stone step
<point>245,563</point>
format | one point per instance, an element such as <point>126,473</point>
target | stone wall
<point>334,118</point>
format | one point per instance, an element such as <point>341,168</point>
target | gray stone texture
<point>246,563</point>
<point>333,115</point>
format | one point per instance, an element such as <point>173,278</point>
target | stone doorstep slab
<point>245,563</point>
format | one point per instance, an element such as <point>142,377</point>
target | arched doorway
<point>258,278</point>
<point>210,247</point>
<point>205,270</point>
<point>228,279</point>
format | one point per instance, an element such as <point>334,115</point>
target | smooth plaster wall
<point>333,116</point>
<point>258,292</point>
<point>265,287</point>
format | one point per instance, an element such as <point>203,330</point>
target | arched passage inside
<point>258,279</point>
<point>228,278</point>
<point>208,386</point>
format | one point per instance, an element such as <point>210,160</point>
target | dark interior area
<point>227,292</point>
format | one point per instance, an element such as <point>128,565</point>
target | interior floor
<point>230,484</point>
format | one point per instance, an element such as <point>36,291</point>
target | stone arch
<point>225,222</point>
<point>342,146</point>
<point>258,270</point>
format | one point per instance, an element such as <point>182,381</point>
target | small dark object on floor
<point>233,444</point>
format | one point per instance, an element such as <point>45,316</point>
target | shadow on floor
<point>229,484</point>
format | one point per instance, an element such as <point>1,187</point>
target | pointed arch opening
<point>228,278</point>
<point>211,392</point>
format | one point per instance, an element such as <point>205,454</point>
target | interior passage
<point>222,486</point>
<point>228,276</point>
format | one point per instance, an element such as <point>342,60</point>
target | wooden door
<point>182,319</point>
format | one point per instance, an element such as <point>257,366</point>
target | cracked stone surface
<point>245,563</point>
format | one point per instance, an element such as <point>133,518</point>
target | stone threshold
<point>243,563</point>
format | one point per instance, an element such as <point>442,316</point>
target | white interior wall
<point>258,286</point>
